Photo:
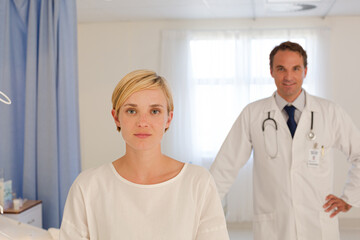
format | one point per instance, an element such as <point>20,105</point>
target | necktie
<point>291,121</point>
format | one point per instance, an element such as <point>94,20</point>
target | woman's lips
<point>142,135</point>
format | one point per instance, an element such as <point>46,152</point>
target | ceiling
<point>130,10</point>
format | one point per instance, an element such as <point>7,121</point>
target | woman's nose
<point>143,121</point>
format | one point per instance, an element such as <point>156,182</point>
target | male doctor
<point>292,134</point>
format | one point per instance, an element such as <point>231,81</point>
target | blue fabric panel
<point>40,150</point>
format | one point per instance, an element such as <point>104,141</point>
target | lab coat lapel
<point>311,104</point>
<point>275,113</point>
<point>304,124</point>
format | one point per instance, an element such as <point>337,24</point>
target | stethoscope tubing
<point>311,134</point>
<point>7,99</point>
<point>271,119</point>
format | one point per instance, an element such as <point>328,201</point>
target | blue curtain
<point>39,131</point>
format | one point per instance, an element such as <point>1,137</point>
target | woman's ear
<point>116,119</point>
<point>169,119</point>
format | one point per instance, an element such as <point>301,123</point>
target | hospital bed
<point>11,229</point>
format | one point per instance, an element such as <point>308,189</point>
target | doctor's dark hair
<point>291,46</point>
<point>136,81</point>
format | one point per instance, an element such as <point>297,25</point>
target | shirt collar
<point>299,102</point>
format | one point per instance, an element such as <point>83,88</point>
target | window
<point>229,73</point>
<point>213,76</point>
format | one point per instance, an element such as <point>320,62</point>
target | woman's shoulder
<point>194,171</point>
<point>197,168</point>
<point>94,174</point>
<point>198,181</point>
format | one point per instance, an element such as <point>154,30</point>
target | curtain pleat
<point>39,73</point>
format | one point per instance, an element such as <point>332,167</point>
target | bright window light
<point>228,76</point>
<point>292,1</point>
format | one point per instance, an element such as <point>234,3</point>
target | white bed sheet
<point>14,230</point>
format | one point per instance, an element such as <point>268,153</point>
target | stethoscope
<point>311,134</point>
<point>6,100</point>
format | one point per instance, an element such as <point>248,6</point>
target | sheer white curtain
<point>213,75</point>
<point>179,141</point>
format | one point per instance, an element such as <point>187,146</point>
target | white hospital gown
<point>103,205</point>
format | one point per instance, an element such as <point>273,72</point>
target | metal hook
<point>7,99</point>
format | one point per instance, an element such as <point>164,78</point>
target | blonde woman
<point>143,194</point>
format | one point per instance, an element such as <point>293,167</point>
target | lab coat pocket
<point>270,141</point>
<point>322,168</point>
<point>265,227</point>
<point>329,227</point>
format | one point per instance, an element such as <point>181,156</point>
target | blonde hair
<point>136,81</point>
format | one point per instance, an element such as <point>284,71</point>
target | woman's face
<point>143,119</point>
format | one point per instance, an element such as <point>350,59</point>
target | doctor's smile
<point>288,85</point>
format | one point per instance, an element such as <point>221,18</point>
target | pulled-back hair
<point>137,81</point>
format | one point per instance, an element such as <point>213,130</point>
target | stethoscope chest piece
<point>311,135</point>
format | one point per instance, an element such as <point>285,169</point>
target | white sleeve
<point>74,224</point>
<point>212,224</point>
<point>233,154</point>
<point>347,139</point>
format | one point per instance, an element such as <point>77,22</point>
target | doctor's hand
<point>336,205</point>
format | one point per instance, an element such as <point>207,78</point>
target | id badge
<point>314,157</point>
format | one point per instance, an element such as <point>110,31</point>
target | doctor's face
<point>288,72</point>
<point>143,119</point>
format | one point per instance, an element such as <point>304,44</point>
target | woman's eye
<point>155,111</point>
<point>131,111</point>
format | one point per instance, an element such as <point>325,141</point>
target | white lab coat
<point>288,194</point>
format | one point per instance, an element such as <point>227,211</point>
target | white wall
<point>107,51</point>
